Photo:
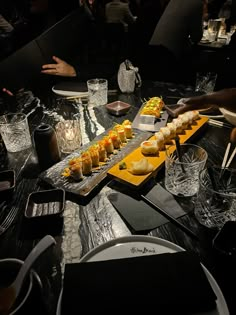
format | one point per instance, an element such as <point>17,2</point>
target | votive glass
<point>68,135</point>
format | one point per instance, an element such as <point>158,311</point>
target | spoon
<point>9,294</point>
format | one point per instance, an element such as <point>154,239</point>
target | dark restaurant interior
<point>117,239</point>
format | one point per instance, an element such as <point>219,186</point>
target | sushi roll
<point>121,132</point>
<point>149,147</point>
<point>190,116</point>
<point>108,145</point>
<point>184,120</point>
<point>166,133</point>
<point>195,115</point>
<point>160,140</point>
<point>115,139</point>
<point>126,122</point>
<point>172,128</point>
<point>86,163</point>
<point>76,171</point>
<point>93,150</point>
<point>102,151</point>
<point>128,131</point>
<point>178,123</point>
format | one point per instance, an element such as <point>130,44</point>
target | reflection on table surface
<point>92,220</point>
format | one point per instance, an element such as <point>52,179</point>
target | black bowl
<point>44,212</point>
<point>7,184</point>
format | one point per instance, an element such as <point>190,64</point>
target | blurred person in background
<point>170,49</point>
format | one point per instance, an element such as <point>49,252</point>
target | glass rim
<point>12,114</point>
<point>97,80</point>
<point>212,190</point>
<point>190,145</point>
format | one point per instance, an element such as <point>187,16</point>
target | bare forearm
<point>224,98</point>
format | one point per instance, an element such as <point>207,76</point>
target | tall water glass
<point>97,91</point>
<point>181,175</point>
<point>15,132</point>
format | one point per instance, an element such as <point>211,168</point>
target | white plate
<point>138,245</point>
<point>69,93</point>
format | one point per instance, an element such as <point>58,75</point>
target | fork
<point>8,220</point>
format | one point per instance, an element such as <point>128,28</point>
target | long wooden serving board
<point>157,161</point>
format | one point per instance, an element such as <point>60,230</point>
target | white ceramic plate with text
<point>138,245</point>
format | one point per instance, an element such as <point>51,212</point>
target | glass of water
<point>216,199</point>
<point>97,91</point>
<point>205,82</point>
<point>181,173</point>
<point>15,133</point>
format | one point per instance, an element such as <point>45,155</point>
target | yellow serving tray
<point>157,161</point>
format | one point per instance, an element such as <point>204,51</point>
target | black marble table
<point>92,220</point>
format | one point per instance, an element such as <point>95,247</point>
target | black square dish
<point>43,213</point>
<point>118,108</point>
<point>7,184</point>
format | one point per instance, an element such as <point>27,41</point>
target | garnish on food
<point>122,165</point>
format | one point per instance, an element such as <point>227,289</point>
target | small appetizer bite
<point>108,144</point>
<point>94,154</point>
<point>141,167</point>
<point>86,163</point>
<point>149,147</point>
<point>76,171</point>
<point>166,133</point>
<point>160,140</point>
<point>102,151</point>
<point>172,127</point>
<point>177,122</point>
<point>115,139</point>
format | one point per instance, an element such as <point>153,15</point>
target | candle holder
<point>68,135</point>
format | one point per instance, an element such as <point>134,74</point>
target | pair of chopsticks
<point>225,163</point>
<point>217,123</point>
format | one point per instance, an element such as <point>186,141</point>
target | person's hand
<point>60,68</point>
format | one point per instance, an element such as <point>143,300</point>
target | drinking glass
<point>181,175</point>
<point>205,82</point>
<point>213,29</point>
<point>15,132</point>
<point>68,135</point>
<point>216,199</point>
<point>97,91</point>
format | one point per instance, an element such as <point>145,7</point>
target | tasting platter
<point>157,160</point>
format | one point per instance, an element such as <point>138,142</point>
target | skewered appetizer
<point>153,107</point>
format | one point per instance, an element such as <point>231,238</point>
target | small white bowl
<point>229,116</point>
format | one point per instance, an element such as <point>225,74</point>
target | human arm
<point>224,98</point>
<point>59,68</point>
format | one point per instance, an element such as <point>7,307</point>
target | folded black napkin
<point>164,284</point>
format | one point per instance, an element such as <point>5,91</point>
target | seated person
<point>60,68</point>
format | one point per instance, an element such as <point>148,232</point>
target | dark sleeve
<point>196,24</point>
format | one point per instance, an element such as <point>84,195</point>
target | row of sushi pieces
<point>99,152</point>
<point>172,129</point>
<point>153,107</point>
